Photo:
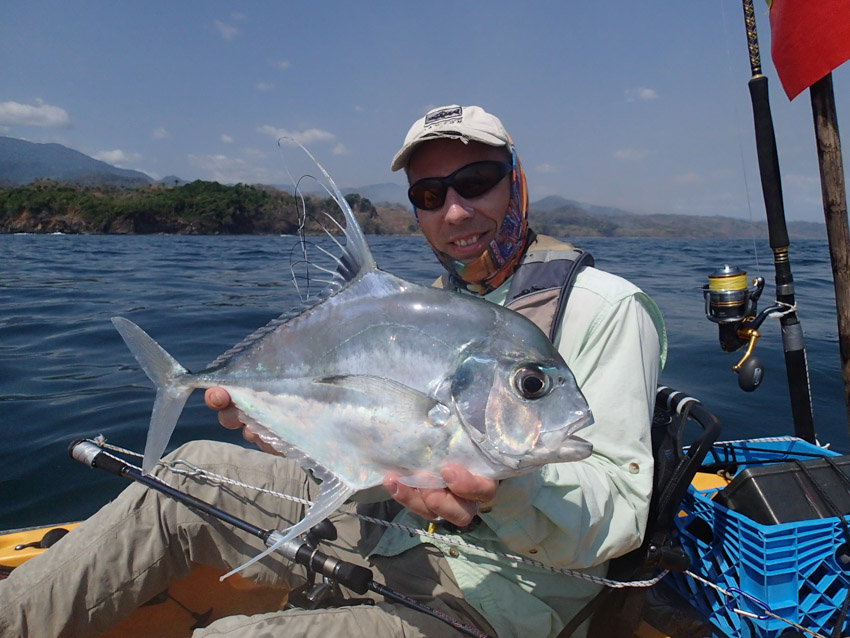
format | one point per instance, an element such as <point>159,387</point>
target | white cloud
<point>641,93</point>
<point>630,154</point>
<point>264,86</point>
<point>689,178</point>
<point>226,138</point>
<point>117,157</point>
<point>226,31</point>
<point>546,168</point>
<point>38,114</point>
<point>159,134</point>
<point>283,65</point>
<point>305,137</point>
<point>340,149</point>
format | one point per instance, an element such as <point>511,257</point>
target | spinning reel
<point>731,303</point>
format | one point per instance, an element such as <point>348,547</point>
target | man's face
<point>461,228</point>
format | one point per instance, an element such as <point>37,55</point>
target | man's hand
<point>457,503</point>
<point>218,399</point>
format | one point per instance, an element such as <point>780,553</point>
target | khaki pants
<point>132,548</point>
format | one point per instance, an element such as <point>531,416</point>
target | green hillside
<point>211,208</point>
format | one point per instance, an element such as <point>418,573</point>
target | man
<point>468,190</point>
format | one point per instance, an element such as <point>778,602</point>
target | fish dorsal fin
<point>354,259</point>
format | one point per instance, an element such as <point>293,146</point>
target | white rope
<point>177,466</point>
<point>781,313</point>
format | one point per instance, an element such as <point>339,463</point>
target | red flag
<point>809,38</point>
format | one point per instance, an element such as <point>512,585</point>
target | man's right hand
<point>217,398</point>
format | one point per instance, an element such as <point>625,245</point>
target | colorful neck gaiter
<point>498,262</point>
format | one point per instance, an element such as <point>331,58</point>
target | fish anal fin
<point>332,494</point>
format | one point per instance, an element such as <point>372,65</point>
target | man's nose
<point>457,208</point>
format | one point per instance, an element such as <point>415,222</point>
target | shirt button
<point>634,468</point>
<point>485,510</point>
<point>454,553</point>
<point>533,550</point>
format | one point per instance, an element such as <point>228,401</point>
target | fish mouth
<point>552,439</point>
<point>573,448</point>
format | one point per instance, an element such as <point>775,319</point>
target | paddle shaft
<point>354,577</point>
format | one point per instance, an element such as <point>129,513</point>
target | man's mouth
<point>468,241</point>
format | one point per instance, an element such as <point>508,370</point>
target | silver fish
<point>385,376</point>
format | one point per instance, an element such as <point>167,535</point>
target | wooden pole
<point>835,213</point>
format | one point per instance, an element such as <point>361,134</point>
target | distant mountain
<point>22,162</point>
<point>172,180</point>
<point>553,202</point>
<point>387,193</point>
<point>556,202</point>
<point>574,219</point>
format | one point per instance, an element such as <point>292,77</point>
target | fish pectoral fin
<point>408,403</point>
<point>424,480</point>
<point>332,495</point>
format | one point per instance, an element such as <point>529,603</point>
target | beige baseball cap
<point>465,123</point>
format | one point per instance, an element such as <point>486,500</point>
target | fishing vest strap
<point>541,284</point>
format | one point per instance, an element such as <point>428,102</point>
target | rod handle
<point>89,454</point>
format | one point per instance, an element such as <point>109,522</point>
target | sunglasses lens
<point>469,181</point>
<point>476,179</point>
<point>427,194</point>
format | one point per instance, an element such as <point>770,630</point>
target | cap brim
<point>402,158</point>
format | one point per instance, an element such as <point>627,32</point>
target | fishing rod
<point>728,299</point>
<point>354,577</point>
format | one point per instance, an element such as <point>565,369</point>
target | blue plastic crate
<point>792,568</point>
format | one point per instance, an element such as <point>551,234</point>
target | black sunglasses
<point>472,180</point>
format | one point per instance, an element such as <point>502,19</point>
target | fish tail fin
<point>332,495</point>
<point>171,394</point>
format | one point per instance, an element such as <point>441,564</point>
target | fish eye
<point>532,382</point>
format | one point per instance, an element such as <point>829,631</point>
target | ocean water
<point>65,372</point>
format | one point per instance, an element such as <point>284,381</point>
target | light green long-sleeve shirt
<point>570,515</point>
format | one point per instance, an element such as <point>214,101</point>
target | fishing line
<point>450,539</point>
<point>327,224</point>
<point>739,137</point>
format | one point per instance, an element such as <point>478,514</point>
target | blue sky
<point>638,105</point>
